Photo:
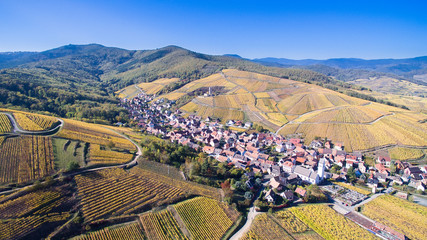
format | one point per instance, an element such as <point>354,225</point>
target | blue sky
<point>252,29</point>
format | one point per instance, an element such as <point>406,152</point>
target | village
<point>287,165</point>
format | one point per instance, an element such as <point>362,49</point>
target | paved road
<point>251,216</point>
<point>17,130</point>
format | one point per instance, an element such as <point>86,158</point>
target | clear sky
<point>253,29</point>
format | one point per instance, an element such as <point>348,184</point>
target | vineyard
<point>330,224</point>
<point>25,158</point>
<point>123,232</point>
<point>406,217</point>
<point>351,187</point>
<point>5,125</point>
<point>93,134</point>
<point>402,153</point>
<point>161,225</point>
<point>190,188</point>
<point>33,122</point>
<point>115,191</point>
<point>98,156</point>
<point>33,212</point>
<point>204,218</point>
<point>266,228</point>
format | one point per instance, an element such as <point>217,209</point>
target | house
<point>316,144</point>
<point>372,182</point>
<point>280,148</point>
<point>301,191</point>
<point>397,180</point>
<point>275,171</point>
<point>384,160</point>
<point>208,149</point>
<point>278,183</point>
<point>221,158</point>
<point>248,125</point>
<point>288,195</point>
<point>362,167</point>
<point>338,146</point>
<point>412,171</point>
<point>270,196</point>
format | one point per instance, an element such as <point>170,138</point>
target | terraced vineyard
<point>204,218</point>
<point>98,156</point>
<point>115,191</point>
<point>5,125</point>
<point>330,224</point>
<point>93,134</point>
<point>25,158</point>
<point>401,215</point>
<point>161,225</point>
<point>291,107</point>
<point>126,232</point>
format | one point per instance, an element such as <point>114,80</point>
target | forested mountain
<point>348,69</point>
<point>80,80</point>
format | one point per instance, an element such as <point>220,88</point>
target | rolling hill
<point>290,107</point>
<point>79,81</point>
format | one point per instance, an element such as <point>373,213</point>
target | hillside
<point>34,146</point>
<point>390,74</point>
<point>79,81</point>
<point>289,107</point>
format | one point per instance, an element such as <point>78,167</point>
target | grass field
<point>401,215</point>
<point>66,151</point>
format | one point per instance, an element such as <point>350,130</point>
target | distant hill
<point>80,80</point>
<point>369,72</point>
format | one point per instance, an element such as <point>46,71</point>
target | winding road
<point>17,130</point>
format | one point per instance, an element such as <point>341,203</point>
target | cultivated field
<point>295,107</point>
<point>264,227</point>
<point>25,158</point>
<point>34,122</point>
<point>204,218</point>
<point>125,231</point>
<point>94,134</point>
<point>26,216</point>
<point>402,153</point>
<point>330,224</point>
<point>115,191</point>
<point>5,125</point>
<point>161,225</point>
<point>401,215</point>
<point>105,157</point>
<point>190,188</point>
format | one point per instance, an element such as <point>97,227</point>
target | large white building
<point>311,176</point>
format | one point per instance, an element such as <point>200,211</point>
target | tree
<point>73,165</point>
<point>249,195</point>
<point>351,175</point>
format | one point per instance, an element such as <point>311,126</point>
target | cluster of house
<point>406,173</point>
<point>297,162</point>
